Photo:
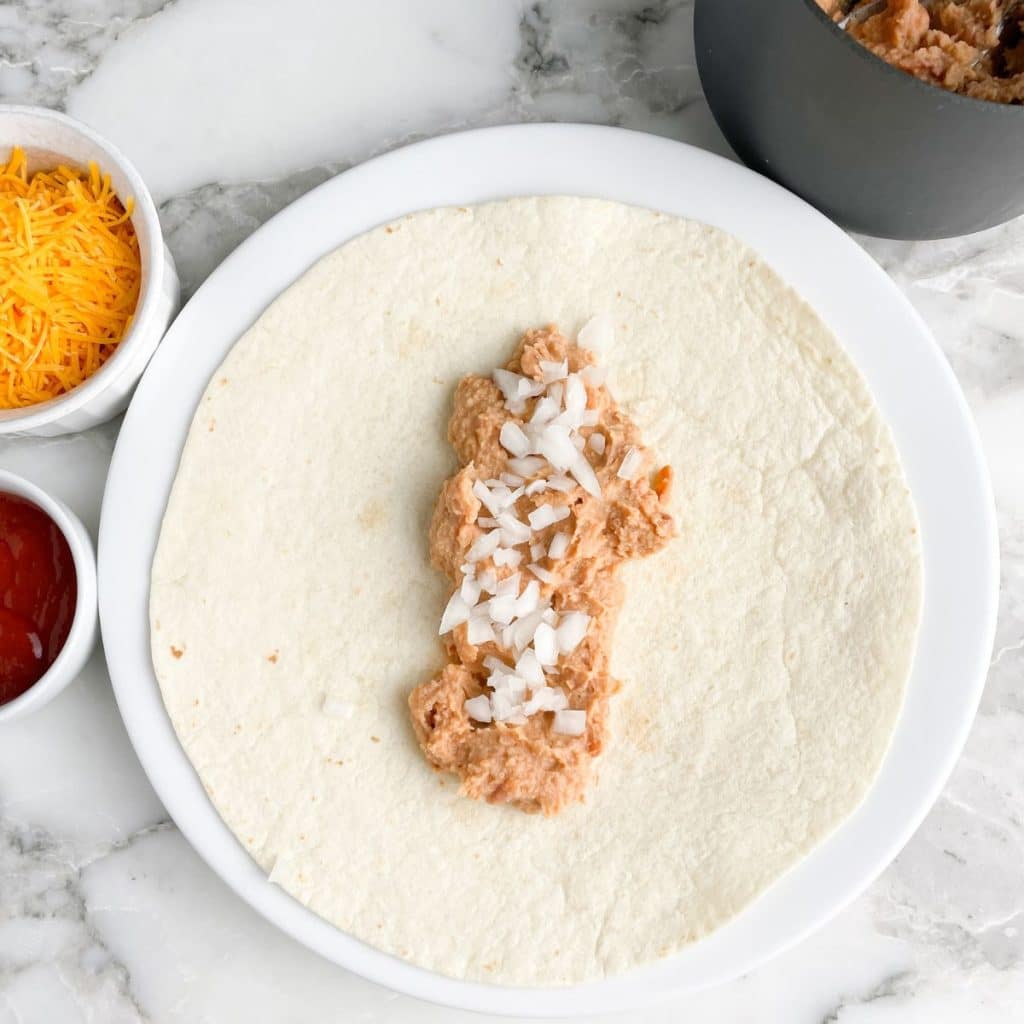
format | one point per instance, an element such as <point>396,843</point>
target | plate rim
<point>573,148</point>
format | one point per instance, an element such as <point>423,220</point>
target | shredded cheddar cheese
<point>69,278</point>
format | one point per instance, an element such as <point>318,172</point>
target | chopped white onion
<point>470,590</point>
<point>513,440</point>
<point>529,668</point>
<point>508,556</point>
<point>542,574</point>
<point>513,531</point>
<point>516,388</point>
<point>572,628</point>
<point>498,679</point>
<point>537,702</point>
<point>479,630</point>
<point>528,600</point>
<point>510,686</point>
<point>631,463</point>
<point>545,515</point>
<point>509,586</point>
<point>558,700</point>
<point>492,607</point>
<point>575,395</point>
<point>545,644</point>
<point>524,628</point>
<point>456,612</point>
<point>502,709</point>
<point>569,420</point>
<point>484,546</point>
<point>507,381</point>
<point>542,516</point>
<point>501,496</point>
<point>547,698</point>
<point>570,722</point>
<point>526,387</point>
<point>502,609</point>
<point>561,483</point>
<point>557,548</point>
<point>483,493</point>
<point>554,442</point>
<point>545,410</point>
<point>553,370</point>
<point>527,467</point>
<point>585,475</point>
<point>479,708</point>
<point>597,333</point>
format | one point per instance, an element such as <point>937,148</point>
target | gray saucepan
<point>874,148</point>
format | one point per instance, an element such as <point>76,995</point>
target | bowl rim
<point>152,265</point>
<point>83,624</point>
<point>991,108</point>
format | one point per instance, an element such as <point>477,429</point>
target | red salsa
<point>38,591</point>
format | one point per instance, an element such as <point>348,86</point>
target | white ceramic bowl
<point>49,138</point>
<point>82,636</point>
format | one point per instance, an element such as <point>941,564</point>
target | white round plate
<point>907,374</point>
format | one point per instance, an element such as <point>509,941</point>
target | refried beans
<point>973,47</point>
<point>525,759</point>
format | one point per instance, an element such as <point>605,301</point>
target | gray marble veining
<point>106,915</point>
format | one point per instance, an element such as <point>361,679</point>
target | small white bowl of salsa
<point>48,140</point>
<point>48,617</point>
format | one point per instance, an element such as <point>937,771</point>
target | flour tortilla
<point>764,652</point>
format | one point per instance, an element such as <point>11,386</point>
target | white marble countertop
<point>231,109</point>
